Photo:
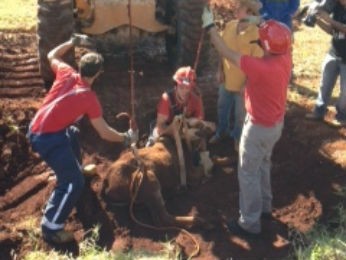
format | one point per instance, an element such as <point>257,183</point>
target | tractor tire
<point>55,26</point>
<point>183,45</point>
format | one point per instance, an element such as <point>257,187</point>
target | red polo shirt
<point>194,107</point>
<point>266,87</point>
<point>69,99</point>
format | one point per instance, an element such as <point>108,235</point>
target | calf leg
<point>154,201</point>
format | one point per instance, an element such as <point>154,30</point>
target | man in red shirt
<point>181,100</point>
<point>177,101</point>
<point>265,101</point>
<point>53,136</point>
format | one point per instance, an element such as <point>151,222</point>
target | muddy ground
<point>308,165</point>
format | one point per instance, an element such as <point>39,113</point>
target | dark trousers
<point>61,151</point>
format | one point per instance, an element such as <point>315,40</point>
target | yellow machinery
<point>177,22</point>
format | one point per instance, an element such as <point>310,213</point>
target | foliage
<point>89,250</point>
<point>324,242</point>
<point>18,14</point>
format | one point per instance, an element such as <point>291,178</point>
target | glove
<point>82,40</point>
<point>252,19</point>
<point>206,163</point>
<point>130,137</point>
<point>207,18</point>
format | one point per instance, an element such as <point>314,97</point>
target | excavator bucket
<point>106,15</point>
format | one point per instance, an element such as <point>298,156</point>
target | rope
<point>135,184</point>
<point>195,65</point>
<point>199,48</point>
<point>131,71</point>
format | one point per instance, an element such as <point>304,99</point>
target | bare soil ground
<point>308,166</point>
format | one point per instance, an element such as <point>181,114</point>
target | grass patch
<point>89,250</point>
<point>324,242</point>
<point>309,50</point>
<point>18,15</point>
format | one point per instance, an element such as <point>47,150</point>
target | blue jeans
<point>61,152</point>
<point>331,68</point>
<point>227,101</point>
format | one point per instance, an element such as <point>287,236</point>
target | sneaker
<point>89,169</point>
<point>314,116</point>
<point>236,229</point>
<point>224,161</point>
<point>58,237</point>
<point>338,123</point>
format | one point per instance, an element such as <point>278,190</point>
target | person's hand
<point>207,18</point>
<point>313,8</point>
<point>323,15</point>
<point>130,137</point>
<point>82,40</point>
<point>177,121</point>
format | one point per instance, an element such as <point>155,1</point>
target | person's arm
<point>219,44</point>
<point>322,23</point>
<point>222,48</point>
<point>220,75</point>
<point>161,124</point>
<point>338,26</point>
<point>106,132</point>
<point>333,24</point>
<point>56,54</point>
<point>163,128</point>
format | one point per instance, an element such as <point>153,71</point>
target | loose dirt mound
<point>308,165</point>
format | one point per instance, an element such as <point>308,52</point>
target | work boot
<point>214,139</point>
<point>236,229</point>
<point>224,161</point>
<point>89,169</point>
<point>58,237</point>
<point>338,123</point>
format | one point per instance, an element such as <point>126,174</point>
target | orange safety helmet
<point>275,37</point>
<point>185,76</point>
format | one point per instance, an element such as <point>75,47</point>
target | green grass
<point>18,15</point>
<point>324,242</point>
<point>88,250</point>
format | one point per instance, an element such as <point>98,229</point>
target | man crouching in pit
<point>180,115</point>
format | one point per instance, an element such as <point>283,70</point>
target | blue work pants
<point>61,152</point>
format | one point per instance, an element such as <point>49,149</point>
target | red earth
<point>308,166</point>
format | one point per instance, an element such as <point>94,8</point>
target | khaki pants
<point>255,194</point>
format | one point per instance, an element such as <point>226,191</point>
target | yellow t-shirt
<point>239,42</point>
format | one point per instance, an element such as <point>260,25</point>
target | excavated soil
<point>308,166</point>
